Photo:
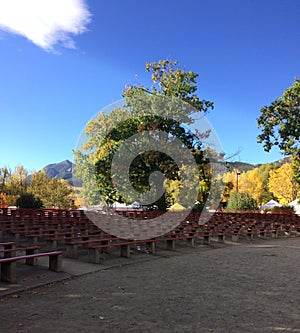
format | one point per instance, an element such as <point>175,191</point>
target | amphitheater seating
<point>68,231</point>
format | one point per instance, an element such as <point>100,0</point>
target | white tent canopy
<point>271,204</point>
<point>296,206</point>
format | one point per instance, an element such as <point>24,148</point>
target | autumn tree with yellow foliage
<point>251,182</point>
<point>17,184</point>
<point>13,183</point>
<point>282,185</point>
<point>108,132</point>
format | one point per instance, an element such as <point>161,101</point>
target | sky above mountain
<point>64,60</point>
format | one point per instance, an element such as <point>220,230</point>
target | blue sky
<point>53,81</point>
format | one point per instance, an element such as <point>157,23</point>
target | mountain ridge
<point>64,170</point>
<point>60,170</point>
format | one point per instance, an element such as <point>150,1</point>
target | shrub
<point>198,207</point>
<point>241,201</point>
<point>28,200</point>
<point>281,209</point>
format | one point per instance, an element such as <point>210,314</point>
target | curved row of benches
<point>63,233</point>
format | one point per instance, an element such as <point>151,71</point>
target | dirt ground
<point>251,287</point>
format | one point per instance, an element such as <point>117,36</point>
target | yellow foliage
<point>282,185</point>
<point>246,182</point>
<point>3,200</point>
<point>254,185</point>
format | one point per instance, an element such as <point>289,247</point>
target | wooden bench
<point>249,234</point>
<point>52,241</point>
<point>8,253</point>
<point>8,245</point>
<point>125,246</point>
<point>207,236</point>
<point>78,238</point>
<point>262,233</point>
<point>72,246</point>
<point>8,265</point>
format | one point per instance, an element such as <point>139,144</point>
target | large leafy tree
<point>108,132</point>
<point>146,162</point>
<point>51,191</point>
<point>254,185</point>
<point>280,124</point>
<point>263,171</point>
<point>31,190</point>
<point>28,200</point>
<point>13,183</point>
<point>282,185</point>
<point>255,182</point>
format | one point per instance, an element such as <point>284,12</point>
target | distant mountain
<point>241,166</point>
<point>62,170</point>
<point>282,161</point>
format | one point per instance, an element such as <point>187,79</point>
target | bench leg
<point>31,261</point>
<point>221,238</point>
<point>8,272</point>
<point>55,263</point>
<point>105,249</point>
<point>9,247</point>
<point>72,251</point>
<point>206,240</point>
<point>125,251</point>
<point>190,242</point>
<point>33,240</point>
<point>94,256</point>
<point>150,247</point>
<point>52,245</point>
<point>171,244</point>
<point>250,237</point>
<point>15,238</point>
<point>235,237</point>
<point>10,254</point>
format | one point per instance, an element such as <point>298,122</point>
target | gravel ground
<point>229,288</point>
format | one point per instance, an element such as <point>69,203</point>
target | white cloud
<point>45,22</point>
